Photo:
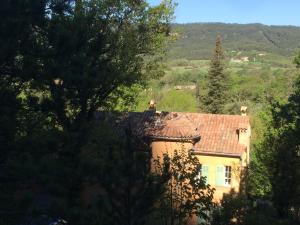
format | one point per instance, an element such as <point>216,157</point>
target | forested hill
<point>196,40</point>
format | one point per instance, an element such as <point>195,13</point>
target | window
<point>200,171</point>
<point>203,172</point>
<point>227,175</point>
<point>223,176</point>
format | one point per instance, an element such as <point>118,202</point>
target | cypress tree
<point>217,82</point>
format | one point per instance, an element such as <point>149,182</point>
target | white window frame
<point>200,171</point>
<point>207,172</point>
<point>227,176</point>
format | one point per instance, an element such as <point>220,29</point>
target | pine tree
<point>217,82</point>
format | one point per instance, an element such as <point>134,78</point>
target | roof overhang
<point>220,154</point>
<point>193,139</point>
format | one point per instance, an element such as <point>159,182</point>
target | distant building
<point>240,59</point>
<point>245,59</point>
<point>235,60</point>
<point>185,87</point>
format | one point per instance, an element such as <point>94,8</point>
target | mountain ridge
<point>242,24</point>
<point>196,40</point>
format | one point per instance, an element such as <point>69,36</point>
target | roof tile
<point>218,133</point>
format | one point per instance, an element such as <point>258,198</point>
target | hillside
<point>267,74</point>
<point>196,40</point>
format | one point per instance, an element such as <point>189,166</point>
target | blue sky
<point>270,12</point>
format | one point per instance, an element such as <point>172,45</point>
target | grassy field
<point>253,83</point>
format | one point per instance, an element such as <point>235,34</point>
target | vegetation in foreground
<point>60,62</point>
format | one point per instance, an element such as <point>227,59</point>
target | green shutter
<point>205,172</point>
<point>220,176</point>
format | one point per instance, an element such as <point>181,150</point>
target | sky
<point>269,12</point>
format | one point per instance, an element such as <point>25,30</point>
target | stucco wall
<point>161,147</point>
<point>213,162</point>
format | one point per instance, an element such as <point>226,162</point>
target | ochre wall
<point>161,147</point>
<point>212,162</point>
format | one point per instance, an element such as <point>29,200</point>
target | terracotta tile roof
<point>211,133</point>
<point>218,133</point>
<point>173,126</point>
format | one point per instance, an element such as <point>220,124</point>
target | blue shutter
<point>220,176</point>
<point>205,173</point>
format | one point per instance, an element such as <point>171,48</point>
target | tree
<point>259,173</point>
<point>237,209</point>
<point>279,155</point>
<point>61,61</point>
<point>187,195</point>
<point>232,210</point>
<point>297,60</point>
<point>217,82</point>
<point>82,54</point>
<point>120,187</point>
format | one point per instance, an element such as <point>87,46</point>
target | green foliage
<point>216,96</point>
<point>119,187</point>
<point>168,100</point>
<point>187,194</point>
<point>77,55</point>
<point>176,100</point>
<point>259,176</point>
<point>197,39</point>
<point>63,60</point>
<point>127,101</point>
<point>60,62</point>
<point>232,210</point>
<point>237,209</point>
<point>253,84</point>
<point>182,77</point>
<point>297,60</point>
<point>278,156</point>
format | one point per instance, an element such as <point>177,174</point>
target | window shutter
<point>220,176</point>
<point>205,172</point>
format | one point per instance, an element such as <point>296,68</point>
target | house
<point>240,59</point>
<point>233,60</point>
<point>245,59</point>
<point>221,143</point>
<point>185,87</point>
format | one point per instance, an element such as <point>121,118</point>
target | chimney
<point>244,110</point>
<point>152,105</point>
<point>244,134</point>
<point>58,82</point>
